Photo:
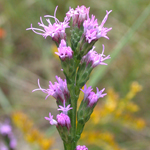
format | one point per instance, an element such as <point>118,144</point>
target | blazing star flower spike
<point>56,30</point>
<point>64,51</point>
<point>77,62</point>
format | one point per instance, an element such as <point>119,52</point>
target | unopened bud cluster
<point>78,60</point>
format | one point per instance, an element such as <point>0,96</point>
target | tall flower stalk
<point>77,60</point>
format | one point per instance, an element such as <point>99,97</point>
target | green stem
<point>68,146</point>
<point>79,130</point>
<point>74,94</point>
<point>73,113</point>
<point>71,87</point>
<point>74,117</point>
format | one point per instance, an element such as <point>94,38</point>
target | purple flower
<point>64,51</point>
<point>81,147</point>
<point>58,90</point>
<point>78,15</point>
<point>91,29</point>
<point>56,30</point>
<point>5,129</point>
<point>86,91</point>
<point>92,97</point>
<point>72,13</point>
<point>90,26</point>
<point>83,14</point>
<point>51,120</point>
<point>64,109</point>
<point>100,93</point>
<point>13,141</point>
<point>95,58</point>
<point>63,120</point>
<point>3,146</point>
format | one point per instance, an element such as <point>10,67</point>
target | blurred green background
<point>25,57</point>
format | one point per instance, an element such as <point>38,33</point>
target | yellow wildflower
<point>101,139</point>
<point>134,89</point>
<point>31,134</point>
<point>140,123</point>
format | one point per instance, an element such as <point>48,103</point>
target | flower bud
<point>64,51</point>
<point>63,120</point>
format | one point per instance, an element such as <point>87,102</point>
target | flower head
<point>13,141</point>
<point>63,120</point>
<point>64,109</point>
<point>51,120</point>
<point>5,129</point>
<point>95,58</point>
<point>81,147</point>
<point>3,146</point>
<point>64,51</point>
<point>100,93</point>
<point>78,15</point>
<point>58,90</point>
<point>86,91</point>
<point>92,97</point>
<point>91,29</point>
<point>56,30</point>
